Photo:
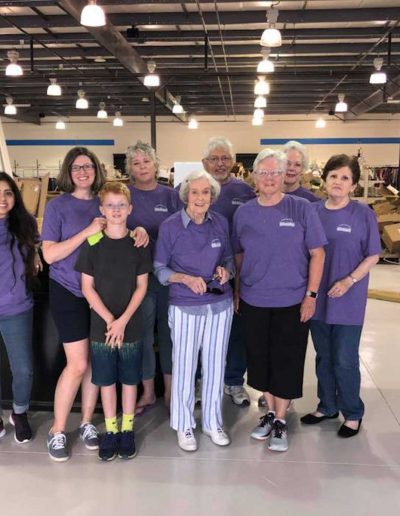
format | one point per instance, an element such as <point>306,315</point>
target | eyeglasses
<point>214,290</point>
<point>215,159</point>
<point>268,173</point>
<point>86,167</point>
<point>119,206</point>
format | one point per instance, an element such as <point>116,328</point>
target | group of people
<point>232,277</point>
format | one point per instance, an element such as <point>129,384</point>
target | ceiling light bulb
<point>258,113</point>
<point>260,102</point>
<point>13,69</point>
<point>54,89</point>
<point>378,78</point>
<point>60,125</point>
<point>92,15</point>
<point>261,87</point>
<point>271,37</point>
<point>193,124</point>
<point>320,123</point>
<point>81,103</point>
<point>151,80</point>
<point>265,66</point>
<point>257,121</point>
<point>10,109</point>
<point>341,106</point>
<point>102,113</point>
<point>118,122</point>
<point>177,109</point>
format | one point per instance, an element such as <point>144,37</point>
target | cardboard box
<point>391,237</point>
<point>34,193</point>
<point>388,219</point>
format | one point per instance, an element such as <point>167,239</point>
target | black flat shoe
<point>310,419</point>
<point>346,431</point>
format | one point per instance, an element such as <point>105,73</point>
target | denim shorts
<point>111,365</point>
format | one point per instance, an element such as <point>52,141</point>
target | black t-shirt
<point>114,264</point>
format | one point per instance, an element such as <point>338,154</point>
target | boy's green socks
<point>127,422</point>
<point>111,424</point>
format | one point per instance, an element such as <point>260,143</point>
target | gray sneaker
<point>89,436</point>
<point>57,446</point>
<point>262,431</point>
<point>278,440</point>
<point>238,395</point>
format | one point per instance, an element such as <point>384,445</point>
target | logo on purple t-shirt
<point>161,208</point>
<point>287,223</point>
<point>237,202</point>
<point>216,243</point>
<point>344,228</point>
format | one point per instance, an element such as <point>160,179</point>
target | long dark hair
<point>23,230</point>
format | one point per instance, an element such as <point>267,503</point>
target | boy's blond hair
<point>115,187</point>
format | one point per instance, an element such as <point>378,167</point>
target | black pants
<point>276,344</point>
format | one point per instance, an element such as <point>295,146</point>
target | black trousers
<point>276,343</point>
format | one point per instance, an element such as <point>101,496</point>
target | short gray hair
<point>299,147</point>
<point>193,176</point>
<point>271,153</point>
<point>218,142</point>
<point>144,148</point>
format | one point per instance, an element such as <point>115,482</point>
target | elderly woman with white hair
<point>194,257</point>
<point>296,165</point>
<point>278,243</point>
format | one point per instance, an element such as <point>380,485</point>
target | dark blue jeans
<point>338,369</point>
<point>236,363</point>
<point>16,331</point>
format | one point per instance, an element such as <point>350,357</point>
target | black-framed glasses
<point>218,291</point>
<point>86,167</point>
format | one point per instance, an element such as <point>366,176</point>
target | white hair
<point>218,142</point>
<point>299,147</point>
<point>271,153</point>
<point>194,176</point>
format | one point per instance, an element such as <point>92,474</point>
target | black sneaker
<point>127,448</point>
<point>108,448</point>
<point>22,429</point>
<point>2,429</point>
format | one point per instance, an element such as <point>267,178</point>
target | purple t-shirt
<point>14,299</point>
<point>194,249</point>
<point>304,194</point>
<point>233,194</point>
<point>275,242</point>
<point>64,217</point>
<point>353,235</point>
<point>151,208</point>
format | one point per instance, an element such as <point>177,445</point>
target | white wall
<point>177,143</point>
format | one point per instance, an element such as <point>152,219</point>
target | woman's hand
<point>340,288</point>
<point>307,308</point>
<point>195,283</point>
<point>221,275</point>
<point>115,333</point>
<point>140,236</point>
<point>37,263</point>
<point>97,224</point>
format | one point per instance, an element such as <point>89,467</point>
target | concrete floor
<point>320,474</point>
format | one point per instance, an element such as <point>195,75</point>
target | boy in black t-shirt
<point>114,282</point>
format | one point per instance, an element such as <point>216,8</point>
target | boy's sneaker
<point>127,448</point>
<point>2,429</point>
<point>108,448</point>
<point>89,436</point>
<point>187,440</point>
<point>262,431</point>
<point>238,395</point>
<point>57,446</point>
<point>278,440</point>
<point>22,430</point>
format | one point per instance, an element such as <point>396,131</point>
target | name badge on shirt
<point>237,202</point>
<point>216,243</point>
<point>161,208</point>
<point>287,223</point>
<point>344,228</point>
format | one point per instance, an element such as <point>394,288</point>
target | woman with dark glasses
<point>193,255</point>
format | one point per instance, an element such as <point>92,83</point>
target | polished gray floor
<point>320,474</point>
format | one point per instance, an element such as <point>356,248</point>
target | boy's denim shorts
<point>111,365</point>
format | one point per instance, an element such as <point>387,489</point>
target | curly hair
<point>23,231</point>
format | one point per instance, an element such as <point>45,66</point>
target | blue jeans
<point>155,307</point>
<point>16,331</point>
<point>338,369</point>
<point>236,362</point>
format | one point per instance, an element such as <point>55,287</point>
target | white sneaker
<point>218,436</point>
<point>238,395</point>
<point>187,440</point>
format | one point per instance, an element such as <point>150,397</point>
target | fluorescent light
<point>193,124</point>
<point>378,77</point>
<point>320,123</point>
<point>10,109</point>
<point>92,15</point>
<point>81,103</point>
<point>60,125</point>
<point>13,69</point>
<point>261,87</point>
<point>54,89</point>
<point>118,122</point>
<point>260,102</point>
<point>341,106</point>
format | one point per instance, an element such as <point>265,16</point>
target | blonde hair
<point>115,187</point>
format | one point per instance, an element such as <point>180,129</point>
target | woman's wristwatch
<point>311,293</point>
<point>353,279</point>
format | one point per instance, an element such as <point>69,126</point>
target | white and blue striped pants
<point>190,334</point>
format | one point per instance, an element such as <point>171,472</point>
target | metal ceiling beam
<point>24,117</point>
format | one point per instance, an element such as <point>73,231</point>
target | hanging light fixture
<point>341,106</point>
<point>102,113</point>
<point>260,102</point>
<point>320,123</point>
<point>92,15</point>
<point>257,121</point>
<point>13,69</point>
<point>151,80</point>
<point>118,122</point>
<point>177,108</point>
<point>378,77</point>
<point>54,89</point>
<point>193,124</point>
<point>10,108</point>
<point>265,65</point>
<point>81,103</point>
<point>271,37</point>
<point>258,113</point>
<point>262,86</point>
<point>60,125</point>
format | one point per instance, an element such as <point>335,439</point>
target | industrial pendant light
<point>341,106</point>
<point>177,108</point>
<point>13,69</point>
<point>260,102</point>
<point>262,86</point>
<point>193,124</point>
<point>378,77</point>
<point>81,103</point>
<point>60,125</point>
<point>265,65</point>
<point>151,80</point>
<point>102,113</point>
<point>271,37</point>
<point>118,122</point>
<point>258,113</point>
<point>54,89</point>
<point>257,121</point>
<point>92,15</point>
<point>320,123</point>
<point>10,109</point>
